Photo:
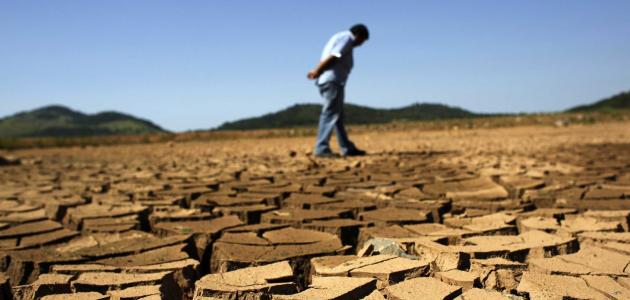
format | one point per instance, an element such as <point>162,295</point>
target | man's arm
<point>313,74</point>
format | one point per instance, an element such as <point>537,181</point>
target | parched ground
<point>532,212</point>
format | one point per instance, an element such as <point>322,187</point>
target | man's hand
<point>313,74</point>
<point>323,65</point>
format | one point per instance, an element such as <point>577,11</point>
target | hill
<point>616,102</point>
<point>301,115</point>
<point>60,121</point>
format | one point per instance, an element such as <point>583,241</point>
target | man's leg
<point>328,117</point>
<point>345,145</point>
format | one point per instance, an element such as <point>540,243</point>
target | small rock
<point>383,247</point>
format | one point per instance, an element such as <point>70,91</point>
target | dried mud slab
<point>498,273</point>
<point>46,284</point>
<point>34,234</point>
<point>346,229</point>
<point>542,286</point>
<point>528,245</point>
<point>588,261</point>
<point>249,214</point>
<point>132,246</point>
<point>21,217</point>
<point>136,292</point>
<point>482,188</point>
<point>296,216</point>
<point>392,271</point>
<point>204,232</point>
<point>467,280</point>
<point>614,241</point>
<point>77,296</point>
<point>76,217</point>
<point>575,225</point>
<point>25,266</point>
<point>387,269</point>
<point>105,282</point>
<point>341,265</point>
<point>308,201</point>
<point>485,224</point>
<point>479,294</point>
<point>178,213</point>
<point>248,283</point>
<point>335,288</point>
<point>422,288</point>
<point>237,250</point>
<point>395,216</point>
<point>607,286</point>
<point>621,216</point>
<point>354,206</point>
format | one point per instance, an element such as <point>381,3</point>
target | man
<point>331,75</point>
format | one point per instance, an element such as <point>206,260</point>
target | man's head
<point>361,34</point>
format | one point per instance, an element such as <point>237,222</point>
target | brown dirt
<point>533,211</point>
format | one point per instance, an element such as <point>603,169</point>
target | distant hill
<point>60,121</point>
<point>619,101</point>
<point>300,115</point>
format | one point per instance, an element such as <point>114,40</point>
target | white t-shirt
<point>340,45</point>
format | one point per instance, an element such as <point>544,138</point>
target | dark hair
<point>360,30</point>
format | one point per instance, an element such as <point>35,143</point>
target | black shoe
<point>327,155</point>
<point>355,152</point>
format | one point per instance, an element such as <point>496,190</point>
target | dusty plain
<point>530,212</point>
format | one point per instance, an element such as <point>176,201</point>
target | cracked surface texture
<point>508,213</point>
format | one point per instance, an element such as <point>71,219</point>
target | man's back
<point>340,45</point>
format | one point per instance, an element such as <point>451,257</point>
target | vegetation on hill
<point>301,115</point>
<point>57,126</point>
<point>610,104</point>
<point>60,121</point>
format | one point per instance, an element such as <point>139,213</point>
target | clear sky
<point>195,64</point>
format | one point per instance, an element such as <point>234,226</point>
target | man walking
<point>331,75</point>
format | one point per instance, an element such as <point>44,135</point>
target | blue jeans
<point>332,118</point>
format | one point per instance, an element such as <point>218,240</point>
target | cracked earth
<point>508,213</point>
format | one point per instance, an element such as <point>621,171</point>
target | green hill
<point>616,102</point>
<point>60,121</point>
<point>301,115</point>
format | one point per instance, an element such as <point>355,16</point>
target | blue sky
<point>195,64</point>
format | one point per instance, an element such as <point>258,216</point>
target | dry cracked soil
<point>508,213</point>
